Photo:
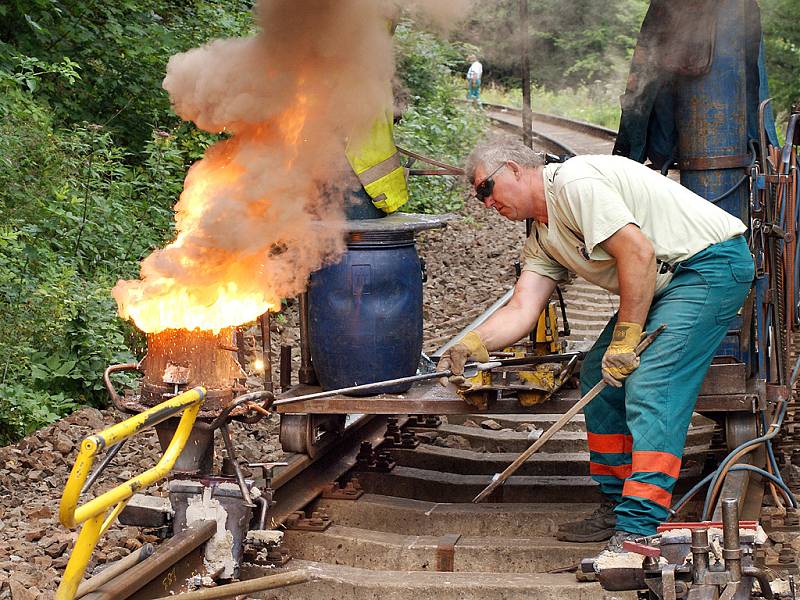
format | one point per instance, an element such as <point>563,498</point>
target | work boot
<point>620,537</point>
<point>596,527</point>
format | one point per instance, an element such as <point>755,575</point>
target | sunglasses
<point>485,188</point>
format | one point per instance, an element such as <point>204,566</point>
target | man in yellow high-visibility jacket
<point>374,157</point>
<point>376,162</point>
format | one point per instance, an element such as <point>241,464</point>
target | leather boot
<point>597,527</point>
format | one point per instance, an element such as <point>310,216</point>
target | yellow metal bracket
<point>95,515</point>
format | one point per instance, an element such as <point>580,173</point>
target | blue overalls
<point>637,432</point>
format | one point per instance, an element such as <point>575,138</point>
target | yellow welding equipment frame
<point>95,515</point>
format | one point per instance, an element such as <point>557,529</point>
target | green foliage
<point>77,214</point>
<point>781,27</point>
<point>119,48</point>
<point>24,409</point>
<point>570,44</point>
<point>436,123</point>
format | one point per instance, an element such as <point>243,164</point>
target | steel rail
<point>567,122</point>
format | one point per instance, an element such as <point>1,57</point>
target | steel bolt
<point>786,557</point>
<point>365,453</point>
<point>792,518</point>
<point>433,421</point>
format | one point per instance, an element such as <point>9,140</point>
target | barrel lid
<point>400,222</point>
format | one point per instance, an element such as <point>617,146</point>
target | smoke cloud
<point>248,220</point>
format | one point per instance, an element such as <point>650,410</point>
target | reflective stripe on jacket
<point>376,162</point>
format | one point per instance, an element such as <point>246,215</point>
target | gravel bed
<point>469,265</point>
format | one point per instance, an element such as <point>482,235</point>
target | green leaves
<point>435,123</point>
<point>75,216</point>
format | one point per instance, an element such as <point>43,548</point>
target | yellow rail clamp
<point>94,515</point>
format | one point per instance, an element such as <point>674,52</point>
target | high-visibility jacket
<point>376,162</point>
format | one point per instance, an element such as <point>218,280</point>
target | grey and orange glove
<point>620,359</point>
<point>455,357</point>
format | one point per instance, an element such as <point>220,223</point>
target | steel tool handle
<point>565,418</point>
<point>379,384</point>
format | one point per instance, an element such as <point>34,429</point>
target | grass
<point>598,103</point>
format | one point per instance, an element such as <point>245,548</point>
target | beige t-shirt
<point>589,198</point>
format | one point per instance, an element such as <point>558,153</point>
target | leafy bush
<point>782,43</point>
<point>437,123</point>
<point>120,50</point>
<point>76,216</point>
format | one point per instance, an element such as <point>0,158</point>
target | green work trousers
<point>637,432</point>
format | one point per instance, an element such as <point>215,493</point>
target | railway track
<point>384,510</point>
<point>411,529</point>
<point>553,133</point>
<point>407,528</point>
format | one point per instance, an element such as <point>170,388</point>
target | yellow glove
<point>620,359</point>
<point>456,357</point>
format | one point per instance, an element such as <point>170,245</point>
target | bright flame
<point>204,279</point>
<point>178,309</point>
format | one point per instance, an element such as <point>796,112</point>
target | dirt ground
<point>469,265</point>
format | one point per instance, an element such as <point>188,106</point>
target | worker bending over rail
<point>672,257</point>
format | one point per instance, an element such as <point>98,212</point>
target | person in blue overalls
<point>474,75</point>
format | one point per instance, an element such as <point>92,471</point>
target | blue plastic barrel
<point>365,312</point>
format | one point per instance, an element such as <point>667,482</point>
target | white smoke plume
<point>317,72</point>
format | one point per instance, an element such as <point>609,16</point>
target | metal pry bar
<point>500,479</point>
<point>380,384</point>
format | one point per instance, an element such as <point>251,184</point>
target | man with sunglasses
<point>672,257</point>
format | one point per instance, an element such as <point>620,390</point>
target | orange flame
<point>161,300</point>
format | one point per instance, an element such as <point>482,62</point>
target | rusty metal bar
<point>167,554</point>
<point>269,582</point>
<point>115,398</point>
<point>731,546</point>
<point>114,570</point>
<point>226,439</point>
<point>286,368</point>
<point>446,552</point>
<point>266,350</point>
<point>306,374</point>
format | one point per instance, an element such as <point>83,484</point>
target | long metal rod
<point>114,570</point>
<point>266,351</point>
<point>497,305</point>
<point>112,452</point>
<point>167,554</point>
<point>565,418</point>
<point>226,439</point>
<point>365,387</point>
<point>249,586</point>
<point>306,373</point>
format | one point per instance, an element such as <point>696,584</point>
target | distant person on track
<point>672,257</point>
<point>474,75</point>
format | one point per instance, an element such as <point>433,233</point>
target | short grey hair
<point>493,153</point>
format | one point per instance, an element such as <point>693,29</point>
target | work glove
<point>620,359</point>
<point>457,356</point>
